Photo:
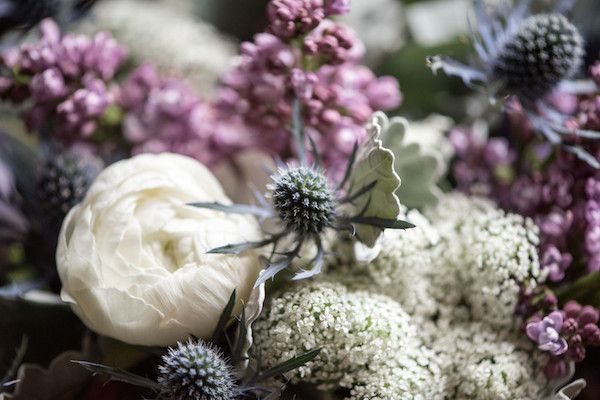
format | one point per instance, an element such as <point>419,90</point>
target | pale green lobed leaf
<point>375,163</point>
<point>419,168</point>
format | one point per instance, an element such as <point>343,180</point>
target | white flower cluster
<point>449,286</point>
<point>402,269</point>
<point>484,364</point>
<point>365,338</point>
<point>169,36</point>
<point>484,256</point>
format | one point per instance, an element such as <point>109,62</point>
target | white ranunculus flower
<point>132,257</point>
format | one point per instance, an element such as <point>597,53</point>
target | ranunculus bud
<point>132,257</point>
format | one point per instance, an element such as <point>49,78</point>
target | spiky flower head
<point>65,177</point>
<point>303,199</point>
<point>545,50</point>
<point>194,370</point>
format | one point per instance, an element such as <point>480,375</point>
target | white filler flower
<point>132,257</point>
<point>368,343</point>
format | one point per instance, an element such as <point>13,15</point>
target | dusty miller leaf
<point>419,168</point>
<point>375,163</point>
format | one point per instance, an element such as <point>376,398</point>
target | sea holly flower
<point>196,370</point>
<point>305,204</point>
<point>528,57</point>
<point>547,333</point>
<point>64,177</point>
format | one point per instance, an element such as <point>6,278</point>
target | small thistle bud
<point>545,50</point>
<point>64,179</point>
<point>195,370</point>
<point>303,199</point>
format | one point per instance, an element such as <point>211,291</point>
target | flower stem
<point>583,290</point>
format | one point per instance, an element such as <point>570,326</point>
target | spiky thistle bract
<point>305,205</point>
<point>527,57</point>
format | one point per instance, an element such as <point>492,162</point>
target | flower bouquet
<point>279,236</point>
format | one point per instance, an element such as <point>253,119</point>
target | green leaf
<point>585,290</point>
<point>237,248</point>
<point>16,363</point>
<point>315,151</point>
<point>238,347</point>
<point>298,131</point>
<point>224,318</point>
<point>382,222</point>
<point>118,374</point>
<point>288,365</point>
<point>349,166</point>
<point>420,157</point>
<point>374,163</point>
<point>233,208</point>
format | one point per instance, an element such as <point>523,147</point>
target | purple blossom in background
<point>291,18</point>
<point>48,85</point>
<point>333,44</point>
<point>546,333</point>
<point>337,7</point>
<point>77,115</point>
<point>66,77</point>
<point>337,96</point>
<point>555,262</point>
<point>164,114</point>
<point>479,160</point>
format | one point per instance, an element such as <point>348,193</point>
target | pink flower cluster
<point>292,18</point>
<point>312,60</point>
<point>164,114</point>
<point>66,79</point>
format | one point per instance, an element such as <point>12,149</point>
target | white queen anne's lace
<point>449,286</point>
<point>485,255</point>
<point>484,364</point>
<point>365,339</point>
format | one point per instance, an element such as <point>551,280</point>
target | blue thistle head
<point>303,199</point>
<point>194,370</point>
<point>545,50</point>
<point>64,179</point>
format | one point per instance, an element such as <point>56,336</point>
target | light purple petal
<point>533,330</point>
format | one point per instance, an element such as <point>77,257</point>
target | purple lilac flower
<point>555,262</point>
<point>337,96</point>
<point>48,85</point>
<point>480,161</point>
<point>337,7</point>
<point>333,43</point>
<point>78,113</point>
<point>164,114</point>
<point>291,18</point>
<point>546,333</point>
<point>67,78</point>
